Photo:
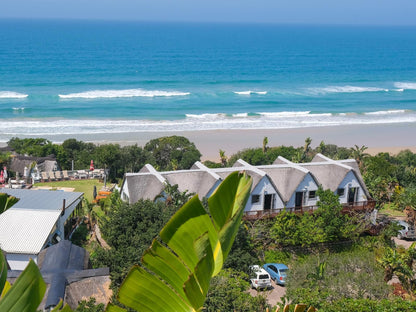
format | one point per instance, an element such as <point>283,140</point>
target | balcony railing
<point>362,206</point>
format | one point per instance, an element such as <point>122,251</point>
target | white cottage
<point>34,222</point>
<point>282,185</point>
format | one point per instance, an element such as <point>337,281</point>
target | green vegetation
<point>85,186</point>
<point>6,202</point>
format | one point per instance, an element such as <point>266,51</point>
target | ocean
<point>72,78</point>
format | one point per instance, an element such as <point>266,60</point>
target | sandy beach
<point>390,138</point>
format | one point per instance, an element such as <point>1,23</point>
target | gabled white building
<point>34,222</point>
<point>282,185</point>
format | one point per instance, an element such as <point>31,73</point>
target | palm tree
<point>223,158</point>
<point>265,141</point>
<point>359,154</point>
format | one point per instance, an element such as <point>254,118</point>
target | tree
<point>359,154</point>
<point>265,147</point>
<point>227,292</point>
<point>165,150</point>
<point>223,158</point>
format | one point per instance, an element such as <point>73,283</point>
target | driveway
<point>273,295</point>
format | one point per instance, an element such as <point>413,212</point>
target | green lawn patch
<point>84,186</point>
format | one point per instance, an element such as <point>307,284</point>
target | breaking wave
<point>12,95</point>
<point>249,92</point>
<point>344,89</point>
<point>95,94</point>
<point>195,122</point>
<point>405,85</point>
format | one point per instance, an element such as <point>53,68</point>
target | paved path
<point>273,295</point>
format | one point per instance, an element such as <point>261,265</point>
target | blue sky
<point>355,12</point>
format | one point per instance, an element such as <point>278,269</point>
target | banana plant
<point>176,270</point>
<point>27,291</point>
<point>6,202</point>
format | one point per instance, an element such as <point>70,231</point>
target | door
<point>299,199</point>
<point>352,192</point>
<point>268,200</point>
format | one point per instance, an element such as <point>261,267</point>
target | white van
<point>259,278</point>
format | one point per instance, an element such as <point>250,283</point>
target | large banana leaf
<point>26,293</point>
<point>176,270</point>
<point>6,202</point>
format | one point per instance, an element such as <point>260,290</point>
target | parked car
<point>277,271</point>
<point>259,278</point>
<point>406,231</point>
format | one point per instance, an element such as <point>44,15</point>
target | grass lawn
<point>388,209</point>
<point>85,186</point>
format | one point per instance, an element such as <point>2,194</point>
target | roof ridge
<point>202,167</point>
<point>293,165</point>
<point>252,168</point>
<point>153,171</point>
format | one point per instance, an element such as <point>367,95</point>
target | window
<point>255,199</point>
<point>340,192</point>
<point>312,194</point>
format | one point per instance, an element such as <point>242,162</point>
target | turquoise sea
<point>83,77</point>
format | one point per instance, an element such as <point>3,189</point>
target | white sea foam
<point>405,85</point>
<point>94,94</point>
<point>86,129</point>
<point>343,89</point>
<point>12,95</point>
<point>250,92</point>
<point>18,108</point>
<point>387,112</point>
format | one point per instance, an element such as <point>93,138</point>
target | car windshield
<point>263,276</point>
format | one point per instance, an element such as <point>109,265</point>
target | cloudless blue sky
<point>356,12</point>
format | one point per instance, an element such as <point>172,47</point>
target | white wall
<point>262,188</point>
<point>350,181</point>
<point>124,192</point>
<point>20,261</point>
<point>307,184</point>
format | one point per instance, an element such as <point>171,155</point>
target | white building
<point>284,185</point>
<point>34,222</point>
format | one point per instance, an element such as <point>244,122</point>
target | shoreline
<point>390,138</point>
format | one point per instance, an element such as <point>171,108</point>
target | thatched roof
<point>143,186</point>
<point>192,181</point>
<point>19,162</point>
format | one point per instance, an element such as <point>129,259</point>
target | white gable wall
<point>264,187</point>
<point>19,261</point>
<point>351,181</point>
<point>124,192</point>
<point>307,184</point>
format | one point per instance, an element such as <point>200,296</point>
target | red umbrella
<point>1,177</point>
<point>92,166</point>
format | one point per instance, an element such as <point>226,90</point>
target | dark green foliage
<point>368,305</point>
<point>242,253</point>
<point>172,153</point>
<point>327,278</point>
<point>174,197</point>
<point>227,293</point>
<point>129,230</point>
<point>80,235</point>
<point>256,156</point>
<point>211,164</point>
<point>326,224</point>
<point>89,306</point>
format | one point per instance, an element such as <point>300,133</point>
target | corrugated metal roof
<point>26,230</point>
<point>42,199</point>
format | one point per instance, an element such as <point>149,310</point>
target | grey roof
<point>143,186</point>
<point>62,264</point>
<point>255,174</point>
<point>329,175</point>
<point>286,179</point>
<point>42,199</point>
<point>192,181</point>
<point>19,162</point>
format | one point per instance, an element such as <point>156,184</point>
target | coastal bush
<point>368,305</point>
<point>172,153</point>
<point>129,230</point>
<point>228,292</point>
<point>329,277</point>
